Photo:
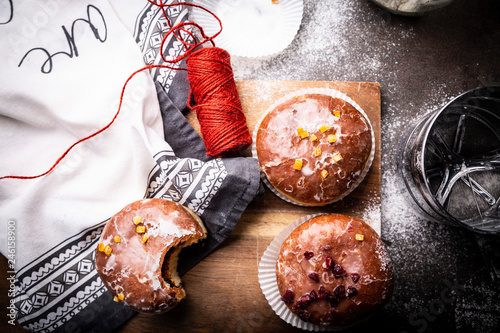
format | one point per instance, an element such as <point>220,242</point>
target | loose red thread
<point>89,136</point>
<point>218,106</point>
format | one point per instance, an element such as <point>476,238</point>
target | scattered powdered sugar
<point>331,42</point>
<point>469,319</point>
<point>372,214</point>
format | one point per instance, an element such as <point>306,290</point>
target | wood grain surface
<point>223,292</point>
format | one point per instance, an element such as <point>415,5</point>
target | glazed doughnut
<point>137,255</point>
<point>334,270</point>
<point>314,148</point>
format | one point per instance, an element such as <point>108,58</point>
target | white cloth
<point>42,114</point>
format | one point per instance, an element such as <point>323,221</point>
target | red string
<point>219,112</point>
<point>218,106</point>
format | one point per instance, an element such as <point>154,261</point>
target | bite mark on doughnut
<point>143,274</point>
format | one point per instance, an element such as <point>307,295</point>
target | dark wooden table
<point>442,281</point>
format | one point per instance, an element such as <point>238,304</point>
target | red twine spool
<point>218,106</point>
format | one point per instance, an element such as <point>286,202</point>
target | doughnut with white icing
<point>329,139</point>
<point>137,254</point>
<point>334,270</point>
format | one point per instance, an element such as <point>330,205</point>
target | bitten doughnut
<point>137,254</point>
<point>334,270</point>
<point>314,148</point>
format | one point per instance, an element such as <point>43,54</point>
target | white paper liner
<point>269,285</point>
<point>325,91</point>
<point>251,28</point>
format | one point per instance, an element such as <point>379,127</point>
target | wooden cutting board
<point>223,292</point>
<point>364,202</point>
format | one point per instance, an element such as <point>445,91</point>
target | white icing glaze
<point>283,145</point>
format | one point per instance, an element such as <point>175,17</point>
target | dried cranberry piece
<point>334,301</point>
<point>326,248</point>
<point>339,292</point>
<point>328,264</point>
<point>350,227</point>
<point>323,292</point>
<point>313,295</point>
<point>302,302</point>
<point>308,255</point>
<point>288,297</point>
<point>304,315</point>
<point>306,299</point>
<point>351,291</point>
<point>313,276</point>
<point>338,271</point>
<point>355,277</point>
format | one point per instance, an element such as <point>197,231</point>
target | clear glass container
<point>450,162</point>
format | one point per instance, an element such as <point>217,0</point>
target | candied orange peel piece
<point>323,128</point>
<point>302,133</point>
<point>108,250</point>
<point>101,247</point>
<point>337,157</point>
<point>297,165</point>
